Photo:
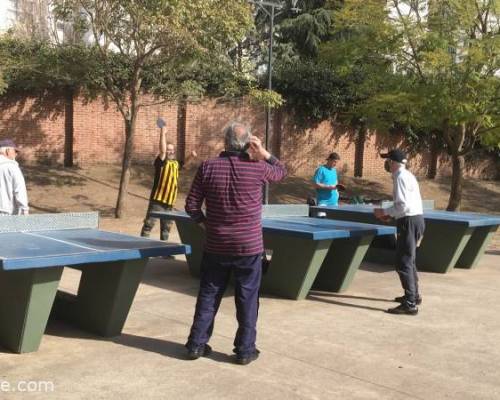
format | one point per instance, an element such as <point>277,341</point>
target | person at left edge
<point>165,185</point>
<point>13,194</point>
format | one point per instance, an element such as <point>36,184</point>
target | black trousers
<point>410,233</point>
<point>149,222</point>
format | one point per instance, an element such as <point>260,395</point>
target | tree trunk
<point>277,133</point>
<point>359,151</point>
<point>181,129</point>
<point>68,126</point>
<point>432,170</point>
<point>458,163</point>
<point>239,56</point>
<point>126,164</point>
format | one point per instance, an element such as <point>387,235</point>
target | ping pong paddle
<point>385,218</point>
<point>340,187</point>
<point>160,122</point>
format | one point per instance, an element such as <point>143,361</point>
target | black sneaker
<point>402,299</point>
<point>403,309</point>
<point>247,359</point>
<point>202,351</point>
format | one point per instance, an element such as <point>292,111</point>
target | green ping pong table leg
<point>26,298</point>
<point>104,298</point>
<point>476,246</point>
<point>190,233</point>
<point>379,255</point>
<point>382,250</point>
<point>341,263</point>
<point>442,245</point>
<point>294,265</point>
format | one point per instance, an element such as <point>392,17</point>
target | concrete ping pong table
<point>451,239</point>
<point>34,250</point>
<point>306,252</point>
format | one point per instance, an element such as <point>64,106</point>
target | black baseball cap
<point>395,155</point>
<point>333,156</point>
<point>8,143</point>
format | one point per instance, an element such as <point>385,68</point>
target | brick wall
<point>38,124</point>
<point>99,132</point>
<point>205,122</point>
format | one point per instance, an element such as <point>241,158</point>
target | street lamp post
<point>270,8</point>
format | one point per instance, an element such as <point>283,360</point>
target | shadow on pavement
<point>165,347</point>
<point>346,296</point>
<point>155,345</point>
<point>342,304</point>
<point>379,268</point>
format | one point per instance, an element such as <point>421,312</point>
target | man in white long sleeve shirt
<point>13,195</point>
<point>408,212</point>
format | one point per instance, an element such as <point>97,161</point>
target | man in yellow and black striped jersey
<point>164,192</point>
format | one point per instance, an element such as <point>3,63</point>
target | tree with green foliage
<point>296,39</point>
<point>445,59</point>
<point>311,89</point>
<point>150,46</point>
<point>357,54</point>
<point>323,77</point>
<point>38,66</point>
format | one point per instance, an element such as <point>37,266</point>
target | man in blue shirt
<point>326,181</point>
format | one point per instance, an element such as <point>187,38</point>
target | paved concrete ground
<point>330,346</point>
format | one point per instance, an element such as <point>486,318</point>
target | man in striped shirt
<point>164,192</point>
<point>231,188</point>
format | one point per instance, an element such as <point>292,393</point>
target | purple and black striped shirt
<point>231,187</point>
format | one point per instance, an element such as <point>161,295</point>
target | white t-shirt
<point>13,195</point>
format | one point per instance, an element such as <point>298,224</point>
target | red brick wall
<point>38,124</point>
<point>99,132</point>
<point>205,122</point>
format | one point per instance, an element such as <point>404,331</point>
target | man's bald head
<point>236,136</point>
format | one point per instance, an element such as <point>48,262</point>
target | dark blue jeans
<point>410,232</point>
<point>215,273</point>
